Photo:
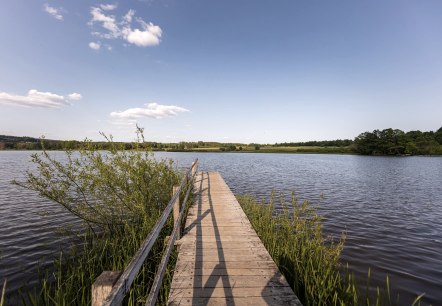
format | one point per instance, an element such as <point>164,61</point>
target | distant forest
<point>385,142</point>
<point>396,142</point>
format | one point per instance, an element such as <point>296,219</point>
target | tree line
<point>315,143</point>
<point>379,142</point>
<point>397,142</point>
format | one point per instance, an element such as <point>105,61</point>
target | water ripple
<point>389,207</point>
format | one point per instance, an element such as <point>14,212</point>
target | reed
<point>308,259</point>
<point>2,298</point>
<point>72,275</point>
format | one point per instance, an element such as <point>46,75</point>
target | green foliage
<point>396,142</point>
<point>119,195</point>
<point>322,143</point>
<point>106,190</point>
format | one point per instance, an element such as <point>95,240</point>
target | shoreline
<point>263,151</point>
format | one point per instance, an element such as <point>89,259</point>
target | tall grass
<point>2,298</point>
<point>308,259</point>
<point>72,275</point>
<point>119,195</point>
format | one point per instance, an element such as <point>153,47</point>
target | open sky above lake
<point>230,71</point>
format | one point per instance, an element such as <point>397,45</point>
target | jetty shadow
<point>278,292</point>
<point>206,290</point>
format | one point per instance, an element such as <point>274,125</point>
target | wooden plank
<point>249,271</point>
<point>237,301</point>
<point>218,292</point>
<point>231,264</point>
<point>227,258</point>
<point>223,239</point>
<point>215,245</point>
<point>219,252</point>
<point>239,281</point>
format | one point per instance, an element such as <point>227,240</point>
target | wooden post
<point>176,210</point>
<point>103,286</point>
<point>194,169</point>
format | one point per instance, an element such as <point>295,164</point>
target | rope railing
<point>111,287</point>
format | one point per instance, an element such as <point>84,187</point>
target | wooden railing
<point>111,287</point>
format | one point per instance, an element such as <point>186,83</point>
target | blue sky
<point>230,71</point>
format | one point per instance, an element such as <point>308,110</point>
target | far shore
<point>263,150</point>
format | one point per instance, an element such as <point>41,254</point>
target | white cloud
<point>151,110</point>
<point>94,45</point>
<point>74,96</point>
<point>56,13</point>
<point>128,17</point>
<point>147,35</point>
<point>108,7</point>
<point>36,98</point>
<point>108,22</point>
<point>143,38</point>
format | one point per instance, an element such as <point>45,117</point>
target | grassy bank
<point>308,259</point>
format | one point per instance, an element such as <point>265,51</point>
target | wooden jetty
<point>221,260</point>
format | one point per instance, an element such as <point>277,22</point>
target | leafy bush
<point>119,194</point>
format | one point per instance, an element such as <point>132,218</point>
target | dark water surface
<point>390,208</point>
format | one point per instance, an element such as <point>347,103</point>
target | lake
<point>389,207</point>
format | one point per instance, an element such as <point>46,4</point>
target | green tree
<point>438,136</point>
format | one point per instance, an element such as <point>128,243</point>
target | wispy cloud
<point>108,22</point>
<point>55,12</point>
<point>142,34</point>
<point>95,45</point>
<point>108,7</point>
<point>75,96</point>
<point>151,110</point>
<point>36,98</point>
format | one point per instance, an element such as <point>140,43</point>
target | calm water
<point>390,207</point>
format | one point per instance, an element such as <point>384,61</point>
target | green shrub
<point>119,194</point>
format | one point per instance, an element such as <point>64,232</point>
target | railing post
<point>103,286</point>
<point>176,210</point>
<point>194,168</point>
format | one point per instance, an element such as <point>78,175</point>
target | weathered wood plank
<point>230,264</point>
<point>227,271</point>
<point>239,281</point>
<point>233,292</point>
<point>215,245</point>
<point>226,258</point>
<point>223,252</point>
<point>237,301</point>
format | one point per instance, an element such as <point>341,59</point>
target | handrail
<point>152,298</point>
<point>121,287</point>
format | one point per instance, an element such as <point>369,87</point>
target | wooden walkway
<point>221,260</point>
